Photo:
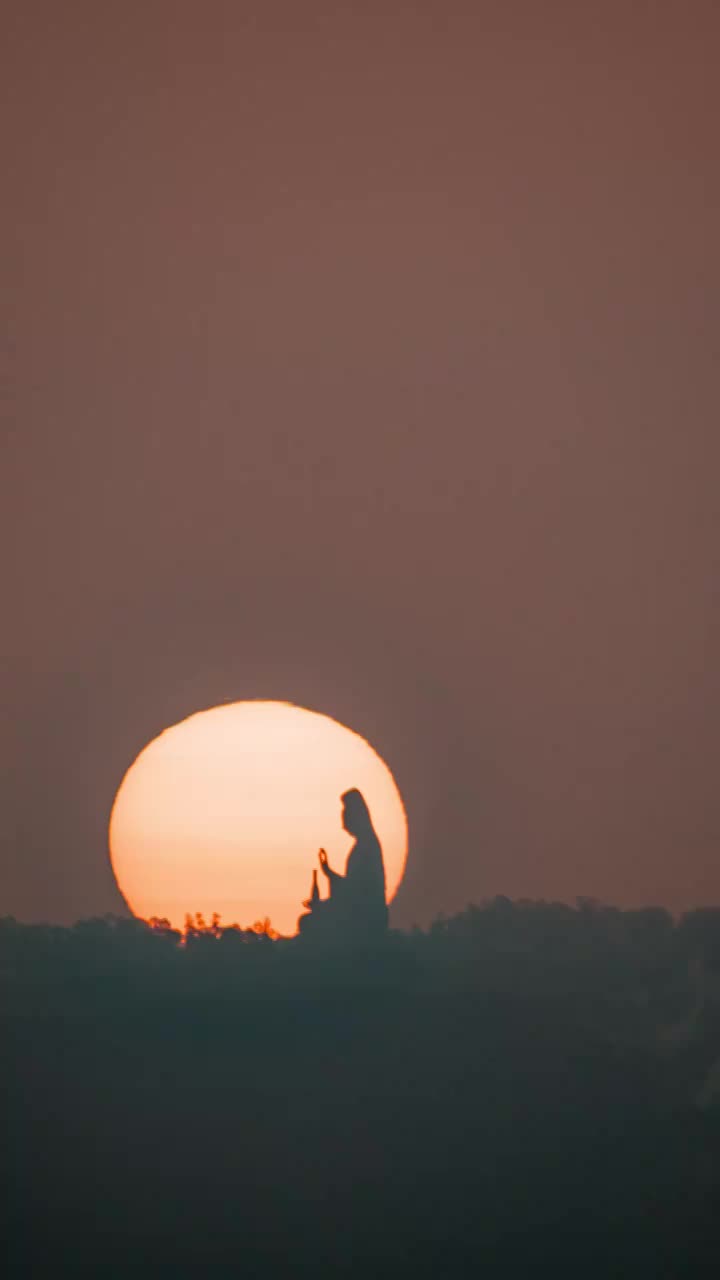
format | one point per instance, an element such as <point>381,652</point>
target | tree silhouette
<point>525,1087</point>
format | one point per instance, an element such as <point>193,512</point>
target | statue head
<point>355,813</point>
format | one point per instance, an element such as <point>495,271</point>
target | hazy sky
<point>367,355</point>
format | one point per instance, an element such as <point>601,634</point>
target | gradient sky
<point>366,356</point>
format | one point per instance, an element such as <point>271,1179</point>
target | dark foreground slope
<point>525,1090</point>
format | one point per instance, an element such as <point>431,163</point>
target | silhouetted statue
<point>356,906</point>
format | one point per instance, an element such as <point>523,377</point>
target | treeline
<point>521,1089</point>
<point>645,954</point>
<point>641,980</point>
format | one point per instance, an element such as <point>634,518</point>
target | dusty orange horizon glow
<point>225,812</point>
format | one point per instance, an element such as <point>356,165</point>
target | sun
<point>225,812</point>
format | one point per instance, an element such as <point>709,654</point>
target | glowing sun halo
<point>226,811</point>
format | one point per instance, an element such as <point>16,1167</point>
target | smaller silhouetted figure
<point>314,898</point>
<point>356,907</point>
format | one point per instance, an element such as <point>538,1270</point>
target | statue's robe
<point>356,907</point>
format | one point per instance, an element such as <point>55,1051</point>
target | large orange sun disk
<point>225,812</point>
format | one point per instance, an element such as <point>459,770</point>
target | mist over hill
<point>525,1086</point>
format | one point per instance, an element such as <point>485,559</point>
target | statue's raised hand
<point>322,855</point>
